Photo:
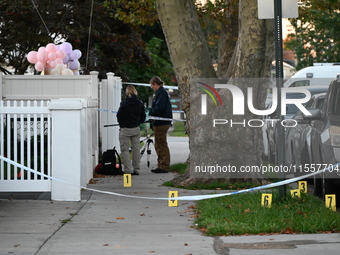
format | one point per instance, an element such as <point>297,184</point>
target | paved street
<point>106,224</point>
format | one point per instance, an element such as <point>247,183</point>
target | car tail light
<point>334,132</point>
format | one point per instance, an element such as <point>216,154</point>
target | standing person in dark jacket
<point>161,107</point>
<point>130,115</point>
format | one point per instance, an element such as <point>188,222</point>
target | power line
<point>41,18</point>
<point>88,41</point>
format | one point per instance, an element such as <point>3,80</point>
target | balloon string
<point>48,31</point>
<point>88,41</point>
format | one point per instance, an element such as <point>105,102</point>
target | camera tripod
<point>148,141</point>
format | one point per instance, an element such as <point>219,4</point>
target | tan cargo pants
<point>161,146</point>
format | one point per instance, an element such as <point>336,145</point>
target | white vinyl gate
<point>52,125</point>
<point>25,138</point>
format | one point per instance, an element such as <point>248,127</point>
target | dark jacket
<point>131,112</point>
<point>161,107</point>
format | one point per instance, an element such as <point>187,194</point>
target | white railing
<point>63,111</point>
<point>25,135</point>
<point>46,87</point>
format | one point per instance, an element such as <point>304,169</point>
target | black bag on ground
<point>111,163</point>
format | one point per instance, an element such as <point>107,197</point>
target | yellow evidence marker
<point>330,202</point>
<point>303,186</point>
<point>173,202</point>
<point>295,193</point>
<point>127,180</point>
<point>266,200</point>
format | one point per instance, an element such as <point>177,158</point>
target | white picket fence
<point>25,134</point>
<point>110,97</point>
<point>51,124</point>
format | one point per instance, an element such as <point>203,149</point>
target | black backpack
<point>110,166</point>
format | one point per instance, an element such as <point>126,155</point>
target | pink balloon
<point>60,54</point>
<point>51,47</point>
<point>42,49</point>
<point>32,57</point>
<point>53,64</point>
<point>39,66</point>
<point>59,61</point>
<point>52,56</point>
<point>66,47</point>
<point>41,56</point>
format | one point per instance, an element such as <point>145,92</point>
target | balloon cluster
<point>56,59</point>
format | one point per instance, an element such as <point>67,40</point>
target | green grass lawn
<point>179,129</point>
<point>243,214</point>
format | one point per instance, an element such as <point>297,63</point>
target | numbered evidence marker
<point>295,193</point>
<point>303,186</point>
<point>330,202</point>
<point>173,202</point>
<point>127,180</point>
<point>266,200</point>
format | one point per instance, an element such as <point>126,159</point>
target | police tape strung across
<point>147,117</point>
<point>187,198</point>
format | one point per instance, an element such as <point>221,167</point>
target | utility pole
<point>273,9</point>
<point>280,149</point>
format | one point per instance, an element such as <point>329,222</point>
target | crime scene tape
<point>183,198</point>
<point>148,85</point>
<point>147,117</point>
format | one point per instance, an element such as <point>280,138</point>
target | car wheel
<point>322,185</point>
<point>318,187</point>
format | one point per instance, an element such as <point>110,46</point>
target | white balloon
<point>60,67</point>
<point>66,72</point>
<point>55,71</point>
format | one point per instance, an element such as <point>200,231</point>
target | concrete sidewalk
<point>106,224</point>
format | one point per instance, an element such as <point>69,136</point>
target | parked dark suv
<point>271,130</point>
<point>325,142</point>
<point>298,139</point>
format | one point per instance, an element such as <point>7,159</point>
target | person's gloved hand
<point>147,110</point>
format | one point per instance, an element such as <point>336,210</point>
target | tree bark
<point>187,45</point>
<point>237,146</point>
<point>255,45</point>
<point>228,37</point>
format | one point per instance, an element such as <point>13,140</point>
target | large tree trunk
<point>228,37</point>
<point>255,45</point>
<point>237,146</point>
<point>250,62</point>
<point>187,45</point>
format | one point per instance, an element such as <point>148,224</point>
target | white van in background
<point>321,74</point>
